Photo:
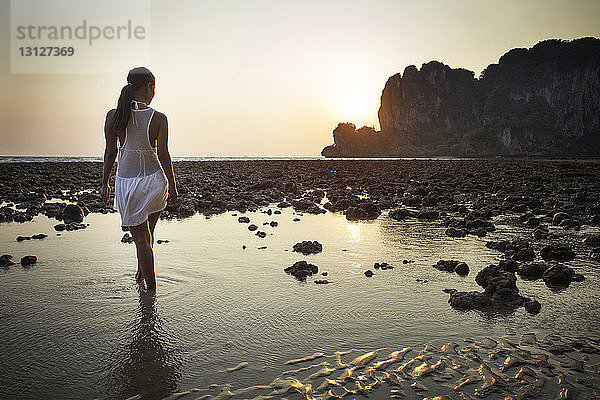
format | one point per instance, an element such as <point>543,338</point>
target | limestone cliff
<point>542,101</point>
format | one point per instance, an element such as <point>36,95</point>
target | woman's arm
<point>110,153</point>
<point>165,158</point>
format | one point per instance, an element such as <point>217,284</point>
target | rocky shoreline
<point>550,199</point>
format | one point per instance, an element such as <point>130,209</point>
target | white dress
<point>141,186</point>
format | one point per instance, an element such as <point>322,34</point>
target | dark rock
<point>301,269</point>
<point>261,234</point>
<point>21,238</point>
<point>509,265</point>
<point>541,232</point>
<point>469,300</point>
<point>5,261</point>
<point>39,236</point>
<point>252,227</point>
<point>446,265</point>
<point>243,220</point>
<point>369,273</point>
<point>383,266</point>
<point>399,214</point>
<point>559,253</point>
<point>160,241</point>
<point>462,269</point>
<point>60,227</point>
<point>273,224</point>
<point>592,241</point>
<point>127,238</point>
<point>532,271</point>
<point>559,275</point>
<point>72,213</point>
<point>532,306</point>
<point>455,232</point>
<point>28,260</point>
<point>322,282</point>
<point>307,247</point>
<point>427,214</point>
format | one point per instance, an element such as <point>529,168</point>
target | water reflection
<point>146,365</point>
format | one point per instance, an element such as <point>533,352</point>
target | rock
<point>469,300</point>
<point>399,214</point>
<point>161,241</point>
<point>301,269</point>
<point>509,265</point>
<point>369,273</point>
<point>532,222</point>
<point>462,269</point>
<point>60,227</point>
<point>322,282</point>
<point>455,232</point>
<point>383,266</point>
<point>532,306</point>
<point>72,213</point>
<point>592,241</point>
<point>6,261</point>
<point>532,271</point>
<point>559,275</point>
<point>252,227</point>
<point>427,214</point>
<point>446,265</point>
<point>21,238</point>
<point>364,211</point>
<point>28,261</point>
<point>541,232</point>
<point>243,220</point>
<point>127,238</point>
<point>559,253</point>
<point>39,236</point>
<point>261,234</point>
<point>73,226</point>
<point>273,224</point>
<point>307,247</point>
<point>500,286</point>
<point>559,217</point>
<point>296,219</point>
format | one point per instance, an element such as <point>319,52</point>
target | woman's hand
<point>106,194</point>
<point>172,199</point>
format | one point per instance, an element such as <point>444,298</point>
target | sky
<point>271,77</point>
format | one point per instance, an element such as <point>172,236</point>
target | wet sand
<point>227,314</point>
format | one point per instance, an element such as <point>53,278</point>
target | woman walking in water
<point>144,182</point>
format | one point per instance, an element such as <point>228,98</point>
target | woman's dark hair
<point>137,78</point>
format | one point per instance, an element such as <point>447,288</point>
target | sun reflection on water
<point>354,234</point>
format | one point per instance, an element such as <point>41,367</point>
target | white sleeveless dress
<point>141,186</point>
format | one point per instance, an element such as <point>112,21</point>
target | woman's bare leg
<point>145,254</point>
<point>152,220</point>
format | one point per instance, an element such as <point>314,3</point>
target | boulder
<point>532,271</point>
<point>72,213</point>
<point>592,241</point>
<point>560,275</point>
<point>301,269</point>
<point>307,247</point>
<point>559,253</point>
<point>28,261</point>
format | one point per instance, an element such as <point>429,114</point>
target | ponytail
<point>122,115</point>
<point>137,78</point>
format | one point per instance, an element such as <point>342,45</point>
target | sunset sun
<point>354,106</point>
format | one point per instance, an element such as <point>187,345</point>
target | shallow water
<point>74,325</point>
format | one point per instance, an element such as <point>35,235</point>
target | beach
<point>227,318</point>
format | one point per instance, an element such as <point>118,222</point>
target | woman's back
<point>137,157</point>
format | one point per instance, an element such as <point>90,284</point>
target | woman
<point>144,182</point>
